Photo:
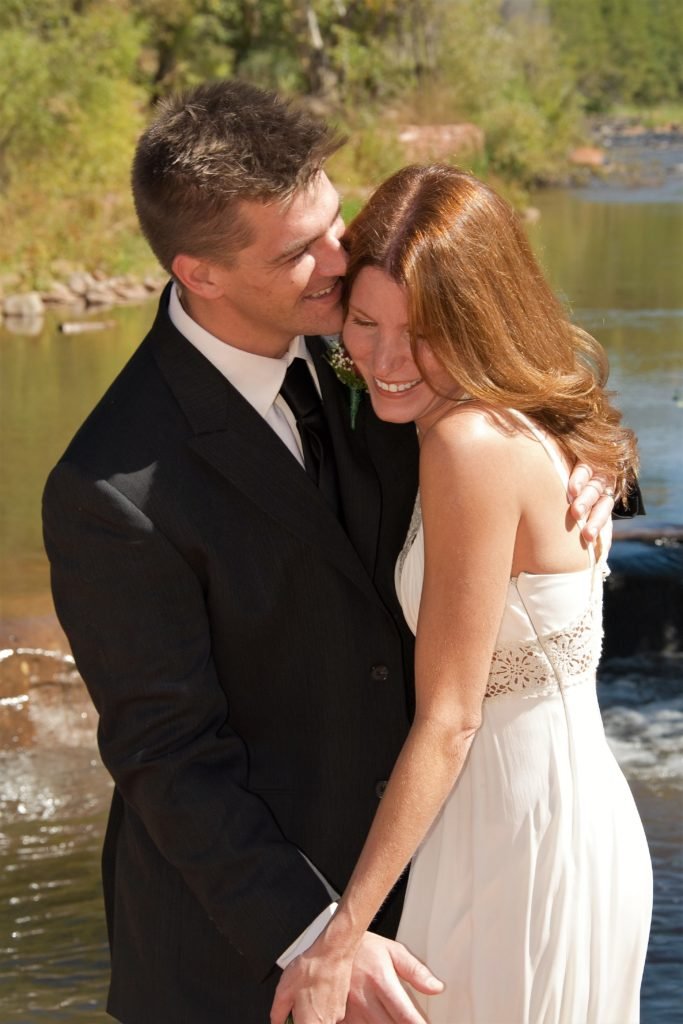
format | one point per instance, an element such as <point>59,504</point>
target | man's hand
<point>310,987</point>
<point>592,499</point>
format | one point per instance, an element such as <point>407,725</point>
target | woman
<point>530,893</point>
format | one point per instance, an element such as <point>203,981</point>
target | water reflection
<point>53,951</point>
<point>642,704</point>
<point>53,802</point>
<point>618,265</point>
<point>49,384</point>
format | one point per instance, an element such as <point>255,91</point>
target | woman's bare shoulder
<point>472,430</point>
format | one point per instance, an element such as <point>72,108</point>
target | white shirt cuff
<point>307,937</point>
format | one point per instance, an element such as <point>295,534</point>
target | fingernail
<point>582,510</point>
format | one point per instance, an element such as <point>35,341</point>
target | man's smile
<point>332,290</point>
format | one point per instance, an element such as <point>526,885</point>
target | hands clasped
<point>324,986</point>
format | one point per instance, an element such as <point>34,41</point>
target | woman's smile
<point>395,387</point>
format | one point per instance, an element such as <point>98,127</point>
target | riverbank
<point>78,291</point>
<point>76,296</point>
<point>615,148</point>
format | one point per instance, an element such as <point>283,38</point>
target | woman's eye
<point>362,323</point>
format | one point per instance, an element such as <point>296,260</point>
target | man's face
<point>288,280</point>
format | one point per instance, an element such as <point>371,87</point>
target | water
<point>53,945</point>
<point>616,254</point>
<point>642,702</point>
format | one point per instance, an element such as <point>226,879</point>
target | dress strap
<point>546,443</point>
<point>557,461</point>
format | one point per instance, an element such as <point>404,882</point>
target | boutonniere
<point>345,371</point>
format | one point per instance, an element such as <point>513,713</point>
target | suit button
<point>380,788</point>
<point>378,673</point>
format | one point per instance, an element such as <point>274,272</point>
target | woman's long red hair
<point>478,299</point>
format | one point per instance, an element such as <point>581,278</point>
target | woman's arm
<point>470,491</point>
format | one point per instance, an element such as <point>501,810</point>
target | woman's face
<point>377,338</point>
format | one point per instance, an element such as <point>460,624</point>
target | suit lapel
<point>358,481</point>
<point>229,435</point>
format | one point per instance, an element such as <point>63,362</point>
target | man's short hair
<point>212,147</point>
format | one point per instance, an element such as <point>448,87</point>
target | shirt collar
<point>257,378</point>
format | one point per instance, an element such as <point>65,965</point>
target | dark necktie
<point>300,394</point>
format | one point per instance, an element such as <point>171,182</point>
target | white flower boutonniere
<point>345,370</point>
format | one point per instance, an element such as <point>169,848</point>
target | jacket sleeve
<point>632,506</point>
<point>135,615</point>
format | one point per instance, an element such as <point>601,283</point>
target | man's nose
<point>332,258</point>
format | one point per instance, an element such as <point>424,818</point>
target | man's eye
<point>297,255</point>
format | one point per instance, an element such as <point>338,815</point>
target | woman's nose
<point>390,354</point>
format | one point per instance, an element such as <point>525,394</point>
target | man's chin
<point>326,325</point>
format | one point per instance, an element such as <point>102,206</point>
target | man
<point>222,562</point>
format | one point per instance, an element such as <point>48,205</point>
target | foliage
<point>508,76</point>
<point>78,78</point>
<point>70,114</point>
<point>622,50</point>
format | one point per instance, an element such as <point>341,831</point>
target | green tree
<point>70,114</point>
<point>585,42</point>
<point>622,50</point>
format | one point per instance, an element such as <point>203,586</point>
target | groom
<point>222,558</point>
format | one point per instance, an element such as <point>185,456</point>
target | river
<point>616,254</point>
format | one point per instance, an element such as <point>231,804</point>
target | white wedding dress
<point>531,895</point>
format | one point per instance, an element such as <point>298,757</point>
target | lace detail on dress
<point>551,663</point>
<point>415,523</point>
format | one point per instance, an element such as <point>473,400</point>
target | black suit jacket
<point>249,663</point>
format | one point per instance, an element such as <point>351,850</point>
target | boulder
<point>59,295</point>
<point>80,281</point>
<point>441,141</point>
<point>587,156</point>
<point>30,326</point>
<point>644,594</point>
<point>24,306</point>
<point>101,294</point>
<point>129,291</point>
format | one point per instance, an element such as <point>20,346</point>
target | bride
<point>530,891</point>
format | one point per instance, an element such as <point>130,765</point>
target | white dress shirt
<point>259,379</point>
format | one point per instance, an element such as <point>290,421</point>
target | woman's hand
<point>312,986</point>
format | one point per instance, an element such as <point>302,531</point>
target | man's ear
<point>198,276</point>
